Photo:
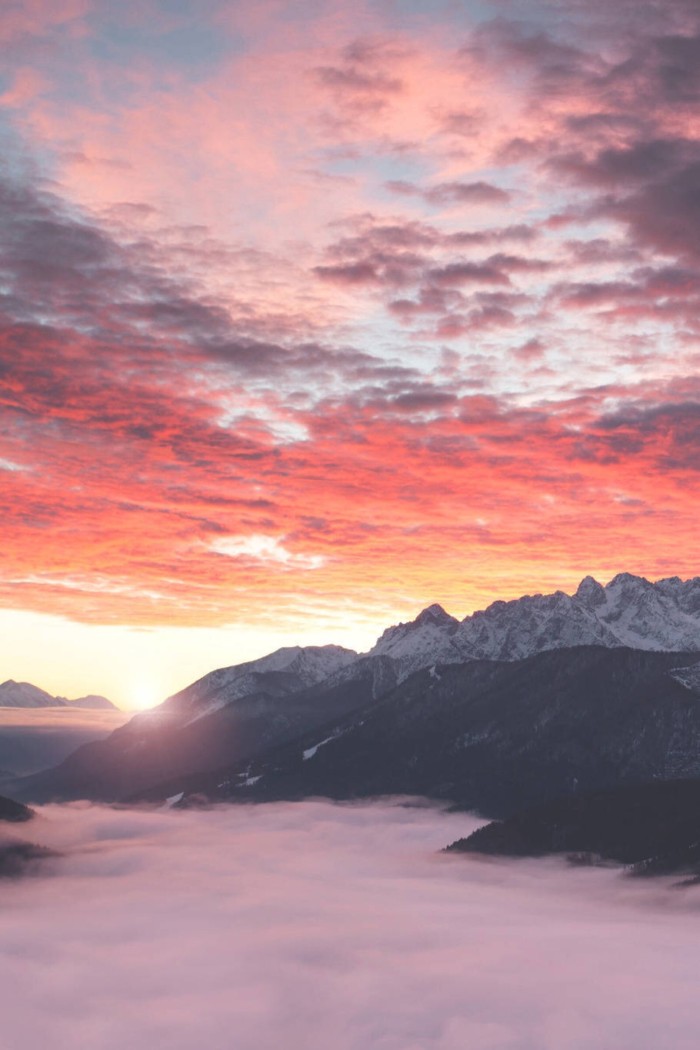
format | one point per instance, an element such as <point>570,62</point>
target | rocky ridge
<point>629,611</point>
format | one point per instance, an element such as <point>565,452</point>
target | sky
<point>312,925</point>
<point>313,314</point>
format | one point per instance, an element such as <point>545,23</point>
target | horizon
<point>148,698</point>
<point>311,315</point>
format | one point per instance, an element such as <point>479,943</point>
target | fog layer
<point>323,927</point>
<point>37,737</point>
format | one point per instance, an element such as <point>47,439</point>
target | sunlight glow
<point>144,695</point>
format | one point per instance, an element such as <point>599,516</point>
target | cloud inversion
<point>314,924</point>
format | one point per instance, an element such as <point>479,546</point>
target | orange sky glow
<point>312,315</point>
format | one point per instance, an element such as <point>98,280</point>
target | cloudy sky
<point>313,314</point>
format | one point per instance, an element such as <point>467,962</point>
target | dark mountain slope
<point>182,737</point>
<point>16,856</point>
<point>495,737</point>
<point>654,826</point>
<point>14,812</point>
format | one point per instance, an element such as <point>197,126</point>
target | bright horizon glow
<point>138,669</point>
<point>144,696</point>
<point>314,315</point>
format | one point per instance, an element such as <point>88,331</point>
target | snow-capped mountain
<point>431,638</point>
<point>234,715</point>
<point>495,736</point>
<point>306,666</point>
<point>628,611</point>
<point>233,711</point>
<point>24,694</point>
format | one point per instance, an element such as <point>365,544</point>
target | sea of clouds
<point>332,927</point>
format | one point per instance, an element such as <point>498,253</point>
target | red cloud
<point>166,394</point>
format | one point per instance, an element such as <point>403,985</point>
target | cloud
<point>433,267</point>
<point>266,549</point>
<point>452,192</point>
<point>316,924</point>
<point>215,323</point>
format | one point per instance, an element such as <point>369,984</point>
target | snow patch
<point>688,677</point>
<point>311,751</point>
<point>173,800</point>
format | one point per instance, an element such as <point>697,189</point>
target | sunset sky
<point>314,313</point>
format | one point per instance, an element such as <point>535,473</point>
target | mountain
<point>629,611</point>
<point>228,715</point>
<point>92,702</point>
<point>14,812</point>
<point>432,636</point>
<point>306,666</point>
<point>653,827</point>
<point>18,857</point>
<point>23,694</point>
<point>493,736</point>
<point>476,696</point>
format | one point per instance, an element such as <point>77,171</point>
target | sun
<point>144,695</point>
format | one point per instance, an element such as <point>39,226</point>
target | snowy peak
<point>516,629</point>
<point>24,694</point>
<point>590,592</point>
<point>426,640</point>
<point>302,666</point>
<point>434,614</point>
<point>645,615</point>
<point>628,611</point>
<point>313,663</point>
<point>432,617</point>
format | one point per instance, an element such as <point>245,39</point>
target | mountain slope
<point>228,715</point>
<point>654,826</point>
<point>23,694</point>
<point>18,857</point>
<point>496,736</point>
<point>218,689</point>
<point>14,812</point>
<point>92,702</point>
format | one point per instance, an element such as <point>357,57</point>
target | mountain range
<point>490,736</point>
<point>630,611</point>
<point>24,694</point>
<point>517,705</point>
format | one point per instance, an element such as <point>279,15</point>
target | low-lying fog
<point>32,738</point>
<point>315,926</point>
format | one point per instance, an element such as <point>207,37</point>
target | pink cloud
<point>314,923</point>
<point>229,316</point>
